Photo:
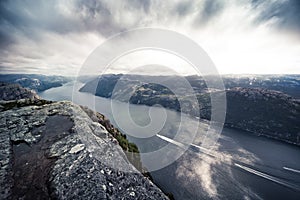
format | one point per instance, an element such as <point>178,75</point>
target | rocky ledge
<point>56,150</point>
<point>14,92</point>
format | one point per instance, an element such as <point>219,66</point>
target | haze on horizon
<point>240,36</point>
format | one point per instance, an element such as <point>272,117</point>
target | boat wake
<point>199,149</point>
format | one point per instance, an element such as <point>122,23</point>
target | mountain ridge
<point>259,110</point>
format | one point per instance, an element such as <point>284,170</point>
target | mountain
<point>35,81</point>
<point>264,112</point>
<point>288,84</point>
<point>14,92</point>
<point>59,150</point>
<point>260,109</point>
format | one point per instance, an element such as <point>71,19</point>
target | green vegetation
<point>129,148</point>
<point>125,144</point>
<point>170,195</point>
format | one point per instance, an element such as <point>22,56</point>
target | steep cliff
<point>56,150</point>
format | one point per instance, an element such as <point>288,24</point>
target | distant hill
<point>288,84</point>
<point>35,81</point>
<point>15,92</point>
<point>252,103</point>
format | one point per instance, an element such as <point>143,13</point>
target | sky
<point>240,36</point>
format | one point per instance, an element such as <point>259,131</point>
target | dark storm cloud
<point>184,8</point>
<point>287,12</point>
<point>94,15</point>
<point>210,10</point>
<point>141,4</point>
<point>28,27</point>
<point>29,17</point>
<point>5,37</point>
<point>205,9</point>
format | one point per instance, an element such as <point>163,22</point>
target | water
<point>239,166</point>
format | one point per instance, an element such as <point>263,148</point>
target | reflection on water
<point>237,167</point>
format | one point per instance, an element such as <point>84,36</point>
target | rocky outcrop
<point>14,92</point>
<point>55,150</point>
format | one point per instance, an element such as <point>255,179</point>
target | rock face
<point>55,150</point>
<point>14,92</point>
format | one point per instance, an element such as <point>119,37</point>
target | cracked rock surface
<point>54,150</point>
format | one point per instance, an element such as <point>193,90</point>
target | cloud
<point>29,29</point>
<point>184,8</point>
<point>286,11</point>
<point>105,17</point>
<point>210,9</point>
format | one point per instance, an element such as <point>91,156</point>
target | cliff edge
<point>55,150</point>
